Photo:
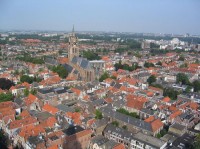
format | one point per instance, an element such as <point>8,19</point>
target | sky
<point>138,16</point>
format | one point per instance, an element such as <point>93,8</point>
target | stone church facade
<point>80,67</point>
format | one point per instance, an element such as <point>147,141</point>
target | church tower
<point>73,49</point>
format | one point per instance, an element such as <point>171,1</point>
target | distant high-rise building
<point>145,45</point>
<point>187,35</point>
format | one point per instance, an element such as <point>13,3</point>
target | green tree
<point>62,72</point>
<point>182,78</point>
<point>6,97</point>
<point>153,45</point>
<point>104,76</point>
<point>33,91</point>
<point>196,85</point>
<point>115,123</point>
<point>158,135</point>
<point>133,44</point>
<point>151,79</point>
<point>188,89</point>
<point>5,84</point>
<point>137,54</point>
<point>171,93</point>
<point>28,58</point>
<point>124,111</point>
<point>113,77</point>
<point>41,69</point>
<point>26,78</point>
<point>118,65</point>
<point>98,114</point>
<point>120,50</point>
<point>197,142</point>
<point>157,85</point>
<point>91,55</point>
<point>181,58</point>
<point>184,65</point>
<point>124,127</point>
<point>26,92</point>
<point>126,66</point>
<point>159,63</point>
<point>197,61</point>
<point>4,141</point>
<point>77,109</point>
<point>16,72</point>
<point>147,65</point>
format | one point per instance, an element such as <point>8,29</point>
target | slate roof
<point>128,136</point>
<point>183,141</point>
<point>60,90</point>
<point>65,108</point>
<point>72,130</point>
<point>50,60</point>
<point>99,140</point>
<point>74,60</point>
<point>127,119</point>
<point>45,90</point>
<point>18,101</point>
<point>98,102</point>
<point>34,140</point>
<point>43,116</point>
<point>101,122</point>
<point>82,62</point>
<point>68,68</point>
<point>150,112</point>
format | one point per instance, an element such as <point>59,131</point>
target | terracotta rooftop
<point>50,109</point>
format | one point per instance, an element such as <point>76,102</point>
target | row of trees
<point>147,65</point>
<point>104,76</point>
<point>126,66</point>
<point>124,111</point>
<point>30,59</point>
<point>32,91</point>
<point>6,97</point>
<point>26,78</point>
<point>91,55</point>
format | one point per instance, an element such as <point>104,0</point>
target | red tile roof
<point>25,114</point>
<point>30,99</point>
<point>50,109</point>
<point>76,117</point>
<point>53,147</point>
<point>175,114</point>
<point>155,89</point>
<point>77,91</point>
<point>157,124</point>
<point>150,119</point>
<point>22,123</point>
<point>31,130</point>
<point>166,99</point>
<point>119,146</point>
<point>136,104</point>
